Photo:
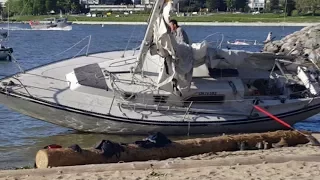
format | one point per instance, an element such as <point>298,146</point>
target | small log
<point>67,157</point>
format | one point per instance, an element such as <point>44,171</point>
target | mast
<point>178,8</point>
<point>8,19</point>
<point>157,9</point>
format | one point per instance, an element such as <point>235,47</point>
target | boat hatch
<point>88,79</point>
<point>91,75</point>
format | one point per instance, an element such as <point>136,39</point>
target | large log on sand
<point>67,157</point>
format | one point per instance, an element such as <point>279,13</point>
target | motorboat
<point>52,23</point>
<point>167,87</point>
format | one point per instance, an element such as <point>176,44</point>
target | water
<point>22,136</point>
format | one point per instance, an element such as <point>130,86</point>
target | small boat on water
<point>53,23</point>
<point>244,42</point>
<point>169,87</point>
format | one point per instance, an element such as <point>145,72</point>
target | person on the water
<point>180,35</point>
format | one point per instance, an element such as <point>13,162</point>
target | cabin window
<point>160,99</point>
<point>207,99</point>
<point>218,73</point>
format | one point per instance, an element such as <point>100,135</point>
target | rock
<point>296,53</point>
<point>307,52</point>
<point>304,44</point>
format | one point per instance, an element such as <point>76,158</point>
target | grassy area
<point>203,18</point>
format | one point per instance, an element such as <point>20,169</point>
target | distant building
<point>2,2</point>
<point>117,8</point>
<point>147,1</point>
<point>256,4</point>
<point>88,2</point>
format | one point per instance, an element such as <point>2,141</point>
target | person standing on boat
<point>178,32</point>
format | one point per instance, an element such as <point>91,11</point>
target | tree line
<point>41,7</point>
<point>302,6</point>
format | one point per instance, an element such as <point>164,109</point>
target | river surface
<point>22,136</point>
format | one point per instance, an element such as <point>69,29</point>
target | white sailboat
<point>168,87</point>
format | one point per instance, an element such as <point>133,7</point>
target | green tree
<point>288,6</point>
<point>50,5</point>
<point>75,6</point>
<point>15,7</point>
<point>241,4</point>
<point>307,5</point>
<point>39,7</point>
<point>274,5</point>
<point>212,4</point>
<point>28,7</point>
<point>61,5</point>
<point>230,4</point>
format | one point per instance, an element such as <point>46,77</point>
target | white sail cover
<point>179,59</point>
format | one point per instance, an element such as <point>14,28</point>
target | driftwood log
<point>67,157</point>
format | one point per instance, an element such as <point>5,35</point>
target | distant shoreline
<point>201,23</point>
<point>280,24</point>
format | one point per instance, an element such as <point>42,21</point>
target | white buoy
<point>102,25</point>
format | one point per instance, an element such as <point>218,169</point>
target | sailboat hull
<point>104,123</point>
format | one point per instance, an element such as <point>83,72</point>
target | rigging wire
<point>285,11</point>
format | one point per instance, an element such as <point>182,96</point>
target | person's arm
<point>182,36</point>
<point>179,36</point>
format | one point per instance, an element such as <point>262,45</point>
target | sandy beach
<point>200,23</point>
<point>301,162</point>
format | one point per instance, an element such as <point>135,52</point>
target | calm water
<point>22,136</point>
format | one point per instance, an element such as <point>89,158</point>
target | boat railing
<point>14,60</point>
<point>87,46</point>
<point>218,42</point>
<point>185,110</point>
<point>123,62</point>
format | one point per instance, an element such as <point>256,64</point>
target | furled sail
<point>177,58</point>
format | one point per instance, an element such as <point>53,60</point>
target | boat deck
<point>48,83</point>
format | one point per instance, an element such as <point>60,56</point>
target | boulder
<point>303,44</point>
